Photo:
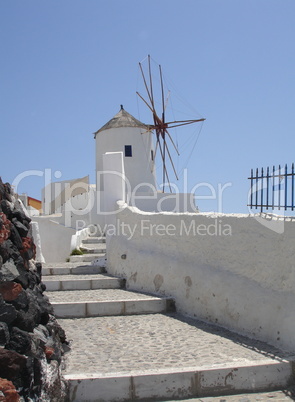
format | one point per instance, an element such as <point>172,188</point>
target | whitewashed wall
<point>55,239</point>
<point>57,194</point>
<point>139,168</point>
<point>168,202</point>
<point>79,208</point>
<point>226,269</point>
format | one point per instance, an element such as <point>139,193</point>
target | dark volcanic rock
<point>2,191</point>
<point>15,237</point>
<point>10,290</point>
<point>20,341</point>
<point>7,207</point>
<point>31,341</point>
<point>9,250</point>
<point>21,228</point>
<point>54,328</point>
<point>29,318</point>
<point>28,250</point>
<point>8,190</point>
<point>19,214</point>
<point>5,227</point>
<point>4,334</point>
<point>24,277</point>
<point>11,364</point>
<point>7,313</point>
<point>21,301</point>
<point>9,271</point>
<point>7,389</point>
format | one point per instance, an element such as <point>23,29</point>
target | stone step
<point>82,282</point>
<point>166,356</point>
<point>157,386</point>
<point>72,269</point>
<point>94,249</point>
<point>283,395</point>
<point>86,257</point>
<point>106,302</point>
<point>94,240</point>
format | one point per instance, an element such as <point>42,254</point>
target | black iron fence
<point>272,189</point>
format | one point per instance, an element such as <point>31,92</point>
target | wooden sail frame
<point>160,126</point>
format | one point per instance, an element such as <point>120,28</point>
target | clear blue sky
<point>67,65</point>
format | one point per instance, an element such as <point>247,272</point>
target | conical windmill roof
<point>122,119</point>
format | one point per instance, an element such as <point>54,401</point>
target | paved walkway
<point>97,295</point>
<point>74,277</point>
<point>157,342</point>
<point>120,357</point>
<point>62,264</point>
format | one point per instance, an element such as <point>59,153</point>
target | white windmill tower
<point>133,139</point>
<point>124,133</point>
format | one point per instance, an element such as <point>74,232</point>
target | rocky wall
<point>31,341</point>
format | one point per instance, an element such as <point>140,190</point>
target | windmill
<point>160,126</point>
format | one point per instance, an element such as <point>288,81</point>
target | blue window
<point>128,150</point>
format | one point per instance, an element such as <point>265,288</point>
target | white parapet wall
<point>55,239</point>
<point>78,237</point>
<point>237,271</point>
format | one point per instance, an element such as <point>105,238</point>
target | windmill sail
<point>161,128</point>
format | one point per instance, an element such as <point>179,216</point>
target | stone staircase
<point>128,346</point>
<point>93,247</point>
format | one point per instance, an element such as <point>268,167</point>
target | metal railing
<point>272,189</point>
